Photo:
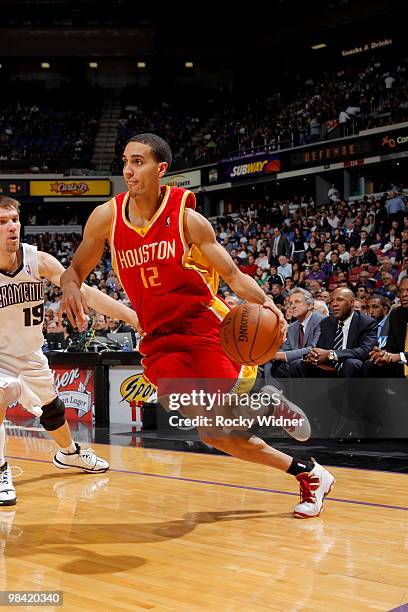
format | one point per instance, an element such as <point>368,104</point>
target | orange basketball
<point>251,334</point>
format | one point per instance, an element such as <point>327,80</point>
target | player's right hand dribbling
<point>74,305</point>
<point>269,303</point>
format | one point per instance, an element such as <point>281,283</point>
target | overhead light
<point>45,65</point>
<point>141,64</point>
<point>93,64</point>
<point>1,66</point>
<point>319,46</point>
<point>189,64</point>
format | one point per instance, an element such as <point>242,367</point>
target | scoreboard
<point>13,188</point>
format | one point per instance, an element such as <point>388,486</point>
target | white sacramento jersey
<point>22,306</point>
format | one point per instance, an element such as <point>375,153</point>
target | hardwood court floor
<point>175,531</point>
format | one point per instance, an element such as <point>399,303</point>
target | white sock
<point>69,450</point>
<point>2,444</point>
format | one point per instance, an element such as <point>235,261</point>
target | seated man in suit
<point>379,309</point>
<point>385,401</point>
<point>345,342</point>
<point>392,361</point>
<point>302,335</point>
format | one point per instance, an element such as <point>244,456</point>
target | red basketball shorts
<point>191,349</point>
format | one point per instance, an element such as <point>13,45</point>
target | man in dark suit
<point>345,342</point>
<point>279,246</point>
<point>302,335</point>
<point>393,359</point>
<point>383,409</point>
<point>379,308</point>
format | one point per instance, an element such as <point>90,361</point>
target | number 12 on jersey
<point>149,277</point>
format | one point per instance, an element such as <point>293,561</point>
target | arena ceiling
<point>206,29</point>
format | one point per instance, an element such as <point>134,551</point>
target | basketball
<point>251,334</point>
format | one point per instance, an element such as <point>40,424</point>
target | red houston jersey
<point>161,275</point>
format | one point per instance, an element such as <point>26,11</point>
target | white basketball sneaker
<point>314,486</point>
<point>296,422</point>
<point>85,460</point>
<point>7,490</point>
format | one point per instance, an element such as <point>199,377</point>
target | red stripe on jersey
<point>154,263</point>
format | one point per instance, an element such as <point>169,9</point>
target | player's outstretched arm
<point>51,269</point>
<point>86,257</point>
<point>199,231</point>
<point>103,304</point>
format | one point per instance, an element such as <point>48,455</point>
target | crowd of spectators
<point>298,111</point>
<point>48,129</point>
<point>358,246</point>
<point>353,252</point>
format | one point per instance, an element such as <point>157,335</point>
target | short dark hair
<point>384,301</point>
<point>159,147</point>
<point>7,202</point>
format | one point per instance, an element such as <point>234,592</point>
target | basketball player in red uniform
<point>168,261</point>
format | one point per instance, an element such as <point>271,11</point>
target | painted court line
<point>230,485</point>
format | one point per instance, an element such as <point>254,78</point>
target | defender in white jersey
<point>24,372</point>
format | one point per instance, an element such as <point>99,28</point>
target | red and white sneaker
<point>314,486</point>
<point>291,413</point>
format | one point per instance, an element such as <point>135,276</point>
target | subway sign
<point>256,165</point>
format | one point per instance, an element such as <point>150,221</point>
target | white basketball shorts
<point>33,373</point>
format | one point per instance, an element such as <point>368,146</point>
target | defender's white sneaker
<point>85,460</point>
<point>314,486</point>
<point>7,490</point>
<point>290,412</point>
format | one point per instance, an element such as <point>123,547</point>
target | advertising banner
<point>393,141</point>
<point>331,153</point>
<point>248,167</point>
<point>348,150</point>
<point>129,391</point>
<point>13,188</point>
<point>74,188</point>
<point>75,386</point>
<point>187,180</point>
